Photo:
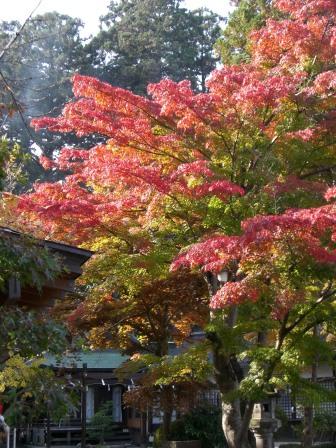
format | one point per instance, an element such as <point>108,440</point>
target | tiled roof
<point>102,360</point>
<point>56,245</point>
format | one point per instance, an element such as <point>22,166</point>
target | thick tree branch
<point>327,294</point>
<point>319,170</point>
<point>246,420</point>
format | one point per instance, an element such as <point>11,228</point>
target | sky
<point>88,11</point>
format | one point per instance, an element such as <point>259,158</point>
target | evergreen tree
<point>142,41</point>
<point>203,32</point>
<point>233,45</point>
<point>36,72</point>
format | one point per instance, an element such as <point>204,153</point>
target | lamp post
<point>223,276</point>
<point>263,423</point>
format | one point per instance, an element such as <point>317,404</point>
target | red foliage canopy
<point>193,148</point>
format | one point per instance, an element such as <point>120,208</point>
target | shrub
<point>298,445</point>
<point>291,445</point>
<point>158,438</point>
<point>101,424</point>
<point>204,424</point>
<point>324,424</point>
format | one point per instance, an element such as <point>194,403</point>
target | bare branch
<point>18,107</point>
<point>17,34</point>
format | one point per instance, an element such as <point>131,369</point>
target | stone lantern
<point>263,423</point>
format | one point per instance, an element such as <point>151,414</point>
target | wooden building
<point>100,380</point>
<point>91,374</point>
<point>72,259</point>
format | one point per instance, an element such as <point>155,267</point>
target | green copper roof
<point>103,360</point>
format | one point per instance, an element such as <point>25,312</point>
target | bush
<point>298,445</point>
<point>291,445</point>
<point>158,438</point>
<point>101,424</point>
<point>204,424</point>
<point>325,445</point>
<point>324,424</point>
<point>324,427</point>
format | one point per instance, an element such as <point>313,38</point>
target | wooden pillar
<point>83,407</point>
<point>48,441</point>
<point>143,427</point>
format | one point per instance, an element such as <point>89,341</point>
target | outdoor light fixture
<point>103,382</point>
<point>132,385</point>
<point>223,276</point>
<point>115,295</point>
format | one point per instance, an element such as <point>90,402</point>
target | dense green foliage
<point>233,45</point>
<point>27,333</point>
<point>24,259</point>
<point>202,423</point>
<point>144,41</point>
<point>298,445</point>
<point>28,390</point>
<point>101,424</point>
<point>31,392</point>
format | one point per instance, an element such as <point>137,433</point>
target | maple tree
<point>144,321</point>
<point>243,174</point>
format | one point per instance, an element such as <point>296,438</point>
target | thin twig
<point>18,107</point>
<point>17,34</point>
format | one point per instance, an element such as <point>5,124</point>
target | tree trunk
<point>228,374</point>
<point>235,420</point>
<point>232,426</point>
<point>308,431</point>
<point>166,423</point>
<point>167,410</point>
